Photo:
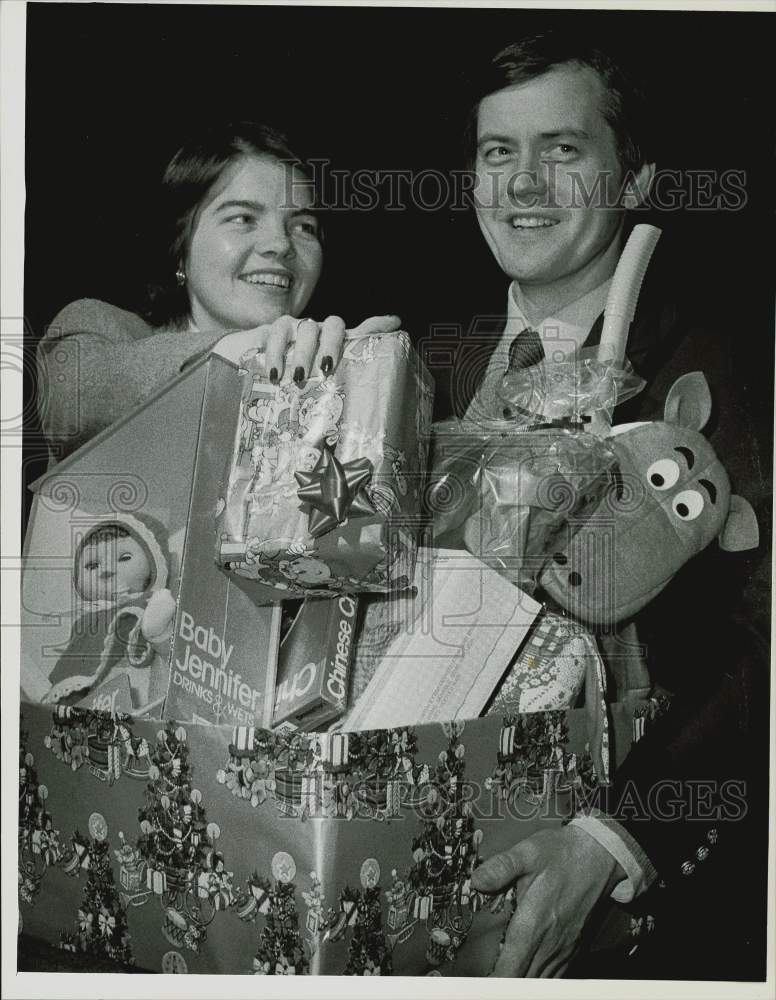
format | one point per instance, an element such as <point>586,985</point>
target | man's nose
<point>528,181</point>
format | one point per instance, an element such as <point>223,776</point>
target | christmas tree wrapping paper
<point>214,849</point>
<point>325,478</point>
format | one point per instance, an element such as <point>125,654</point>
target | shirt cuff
<point>640,873</point>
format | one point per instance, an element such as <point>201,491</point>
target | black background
<point>112,91</point>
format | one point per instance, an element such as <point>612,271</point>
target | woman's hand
<point>316,346</point>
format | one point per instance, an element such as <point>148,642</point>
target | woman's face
<point>255,253</point>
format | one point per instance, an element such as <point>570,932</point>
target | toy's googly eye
<point>663,474</point>
<point>688,504</point>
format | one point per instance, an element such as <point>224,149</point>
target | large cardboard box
<point>347,854</point>
<point>206,842</point>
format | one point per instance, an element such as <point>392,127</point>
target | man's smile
<point>533,222</point>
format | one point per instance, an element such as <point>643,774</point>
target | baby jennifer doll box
<point>123,606</point>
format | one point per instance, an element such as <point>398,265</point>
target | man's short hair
<point>625,103</point>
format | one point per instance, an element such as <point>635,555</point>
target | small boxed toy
<point>315,661</point>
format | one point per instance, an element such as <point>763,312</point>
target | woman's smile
<point>255,254</point>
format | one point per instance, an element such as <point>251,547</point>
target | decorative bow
<point>85,920</point>
<point>51,852</point>
<point>260,968</point>
<point>107,924</point>
<point>335,490</point>
<point>83,853</point>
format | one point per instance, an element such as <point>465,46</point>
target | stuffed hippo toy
<point>671,499</point>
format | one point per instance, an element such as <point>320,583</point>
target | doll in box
<point>119,574</point>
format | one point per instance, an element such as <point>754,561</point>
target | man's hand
<point>559,876</point>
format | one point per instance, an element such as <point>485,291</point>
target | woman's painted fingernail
<point>327,363</point>
<point>299,374</point>
<point>273,376</point>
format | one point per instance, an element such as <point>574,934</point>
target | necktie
<point>525,350</point>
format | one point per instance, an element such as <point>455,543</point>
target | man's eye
<point>243,219</point>
<point>564,149</point>
<point>496,153</point>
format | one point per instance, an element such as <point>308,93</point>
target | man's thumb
<point>500,871</point>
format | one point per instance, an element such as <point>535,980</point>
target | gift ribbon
<point>335,490</point>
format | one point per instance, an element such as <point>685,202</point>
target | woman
<point>243,257</point>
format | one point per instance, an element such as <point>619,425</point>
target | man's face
<point>542,146</point>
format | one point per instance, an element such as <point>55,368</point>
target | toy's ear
<point>740,530</point>
<point>688,403</point>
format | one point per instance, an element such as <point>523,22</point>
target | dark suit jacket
<point>694,790</point>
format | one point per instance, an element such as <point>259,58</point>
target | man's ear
<point>636,185</point>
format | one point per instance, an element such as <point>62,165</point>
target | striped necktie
<point>525,350</point>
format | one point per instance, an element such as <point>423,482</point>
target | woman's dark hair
<point>189,176</point>
<point>625,104</point>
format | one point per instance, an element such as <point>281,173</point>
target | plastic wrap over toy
<point>509,495</point>
<point>567,389</point>
<point>324,484</point>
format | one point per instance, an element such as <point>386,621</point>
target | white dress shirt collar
<point>567,328</point>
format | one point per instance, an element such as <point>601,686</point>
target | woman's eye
<point>241,220</point>
<point>307,226</point>
<point>91,566</point>
<point>125,557</point>
<point>663,474</point>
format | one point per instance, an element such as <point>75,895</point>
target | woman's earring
<point>180,276</point>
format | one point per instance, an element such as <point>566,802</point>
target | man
<point>559,153</point>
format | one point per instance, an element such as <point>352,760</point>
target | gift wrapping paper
<point>325,479</point>
<point>325,855</point>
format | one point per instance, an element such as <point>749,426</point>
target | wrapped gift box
<point>318,878</point>
<point>325,479</point>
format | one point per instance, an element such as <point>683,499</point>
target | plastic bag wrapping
<point>507,494</point>
<point>567,389</point>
